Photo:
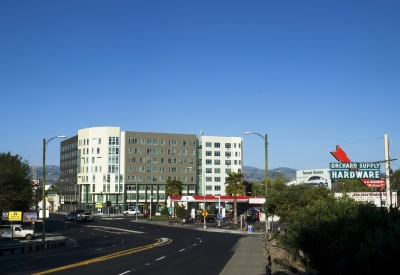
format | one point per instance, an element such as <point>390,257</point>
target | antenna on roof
<point>201,132</point>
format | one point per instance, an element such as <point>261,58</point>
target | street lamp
<point>151,197</point>
<point>137,194</point>
<point>44,186</point>
<point>266,173</point>
<point>204,197</point>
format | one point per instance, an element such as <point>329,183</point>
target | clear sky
<point>310,74</point>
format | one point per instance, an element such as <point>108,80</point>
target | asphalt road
<point>123,246</point>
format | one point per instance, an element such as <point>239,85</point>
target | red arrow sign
<point>341,155</point>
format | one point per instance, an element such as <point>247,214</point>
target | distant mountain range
<point>255,174</point>
<point>250,173</point>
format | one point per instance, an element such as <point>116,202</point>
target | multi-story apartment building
<point>217,156</point>
<point>131,168</point>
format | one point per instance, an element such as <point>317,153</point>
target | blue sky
<point>310,74</point>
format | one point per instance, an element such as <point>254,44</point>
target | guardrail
<point>31,246</point>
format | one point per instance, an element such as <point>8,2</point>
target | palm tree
<point>234,186</point>
<point>173,188</point>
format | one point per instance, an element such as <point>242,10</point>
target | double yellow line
<point>107,257</point>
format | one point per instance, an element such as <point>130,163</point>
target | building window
<point>228,145</point>
<point>208,187</point>
<point>217,162</point>
<point>99,140</point>
<point>208,179</point>
<point>227,154</point>
<point>208,170</point>
<point>208,153</point>
<point>228,162</point>
<point>217,188</point>
<point>217,153</point>
<point>228,170</point>
<point>217,179</point>
<point>208,161</point>
<point>217,170</point>
<point>217,145</point>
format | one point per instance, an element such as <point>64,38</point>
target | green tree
<point>173,188</point>
<point>395,181</point>
<point>341,236</point>
<point>180,212</point>
<point>282,199</point>
<point>234,186</point>
<point>352,185</point>
<point>257,189</point>
<point>15,184</point>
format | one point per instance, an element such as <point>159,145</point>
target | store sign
<point>360,174</point>
<point>341,156</point>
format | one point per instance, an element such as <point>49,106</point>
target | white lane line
<point>124,272</point>
<point>99,248</point>
<point>93,234</point>
<point>181,250</point>
<point>160,258</point>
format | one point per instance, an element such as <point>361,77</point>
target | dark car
<point>72,216</point>
<point>85,217</point>
<point>187,219</point>
<point>210,218</point>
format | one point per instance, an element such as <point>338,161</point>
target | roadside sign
<point>170,210</point>
<point>29,217</point>
<point>219,216</point>
<point>99,205</point>
<point>136,208</point>
<point>204,214</point>
<point>219,207</point>
<point>14,216</point>
<point>5,216</point>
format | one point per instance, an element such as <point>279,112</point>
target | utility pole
<point>387,166</point>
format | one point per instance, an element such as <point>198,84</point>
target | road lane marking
<point>160,242</point>
<point>124,272</point>
<point>160,258</point>
<point>182,250</point>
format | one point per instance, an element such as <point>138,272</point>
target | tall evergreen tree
<point>15,183</point>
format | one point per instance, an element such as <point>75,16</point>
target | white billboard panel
<point>377,198</point>
<point>305,175</point>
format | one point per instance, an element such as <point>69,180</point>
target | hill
<point>255,174</point>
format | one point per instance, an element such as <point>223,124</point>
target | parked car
<point>317,181</point>
<point>131,212</point>
<point>85,217</point>
<point>187,219</point>
<point>72,216</point>
<point>210,218</point>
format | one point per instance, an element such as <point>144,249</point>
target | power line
<point>360,141</point>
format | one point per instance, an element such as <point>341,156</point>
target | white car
<point>131,212</point>
<point>317,181</point>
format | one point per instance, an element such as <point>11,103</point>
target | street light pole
<point>137,194</point>
<point>151,197</point>
<point>44,186</point>
<point>266,173</point>
<point>204,196</point>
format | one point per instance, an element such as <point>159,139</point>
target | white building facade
<point>109,170</point>
<point>217,156</point>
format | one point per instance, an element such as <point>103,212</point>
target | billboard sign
<point>29,217</point>
<point>302,176</point>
